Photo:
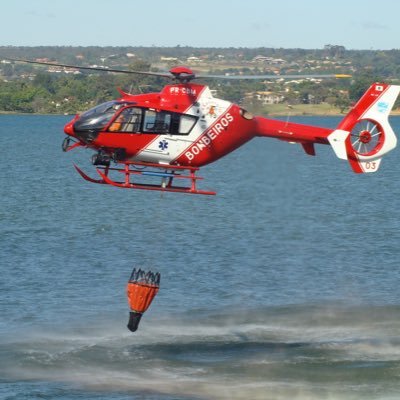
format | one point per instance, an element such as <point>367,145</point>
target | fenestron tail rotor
<point>367,137</point>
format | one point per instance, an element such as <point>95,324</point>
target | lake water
<point>283,286</point>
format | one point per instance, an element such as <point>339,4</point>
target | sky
<point>309,24</point>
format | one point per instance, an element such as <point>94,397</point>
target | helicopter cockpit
<point>125,117</point>
<point>97,118</point>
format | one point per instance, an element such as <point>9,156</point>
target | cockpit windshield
<point>98,117</point>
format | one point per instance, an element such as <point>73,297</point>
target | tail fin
<point>365,135</point>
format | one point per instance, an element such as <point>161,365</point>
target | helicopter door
<point>172,130</point>
<point>184,132</point>
<point>157,123</point>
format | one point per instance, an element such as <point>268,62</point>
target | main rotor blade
<point>273,76</point>
<point>184,76</point>
<point>106,69</point>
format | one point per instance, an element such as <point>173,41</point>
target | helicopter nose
<point>69,128</point>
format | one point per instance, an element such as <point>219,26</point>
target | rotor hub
<point>365,137</point>
<point>182,74</point>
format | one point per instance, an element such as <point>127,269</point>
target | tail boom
<point>292,132</point>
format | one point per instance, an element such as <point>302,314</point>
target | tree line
<point>27,89</point>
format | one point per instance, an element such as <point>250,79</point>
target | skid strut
<point>149,171</point>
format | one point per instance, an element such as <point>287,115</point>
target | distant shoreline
<point>273,110</point>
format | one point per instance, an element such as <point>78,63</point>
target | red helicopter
<point>169,135</point>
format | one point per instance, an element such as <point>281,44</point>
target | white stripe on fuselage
<point>166,148</point>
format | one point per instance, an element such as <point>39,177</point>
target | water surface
<point>283,286</point>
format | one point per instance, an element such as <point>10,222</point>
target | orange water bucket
<point>141,289</point>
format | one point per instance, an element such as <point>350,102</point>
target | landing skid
<point>149,171</point>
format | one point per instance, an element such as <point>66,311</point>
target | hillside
<point>35,89</point>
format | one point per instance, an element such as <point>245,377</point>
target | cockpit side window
<point>128,120</point>
<point>138,120</point>
<point>157,122</point>
<point>186,124</point>
<point>162,122</point>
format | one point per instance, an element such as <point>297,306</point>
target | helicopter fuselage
<point>182,125</point>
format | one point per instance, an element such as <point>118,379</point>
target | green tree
<point>342,102</point>
<point>46,81</point>
<point>360,84</point>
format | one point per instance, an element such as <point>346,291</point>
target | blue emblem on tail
<point>382,106</point>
